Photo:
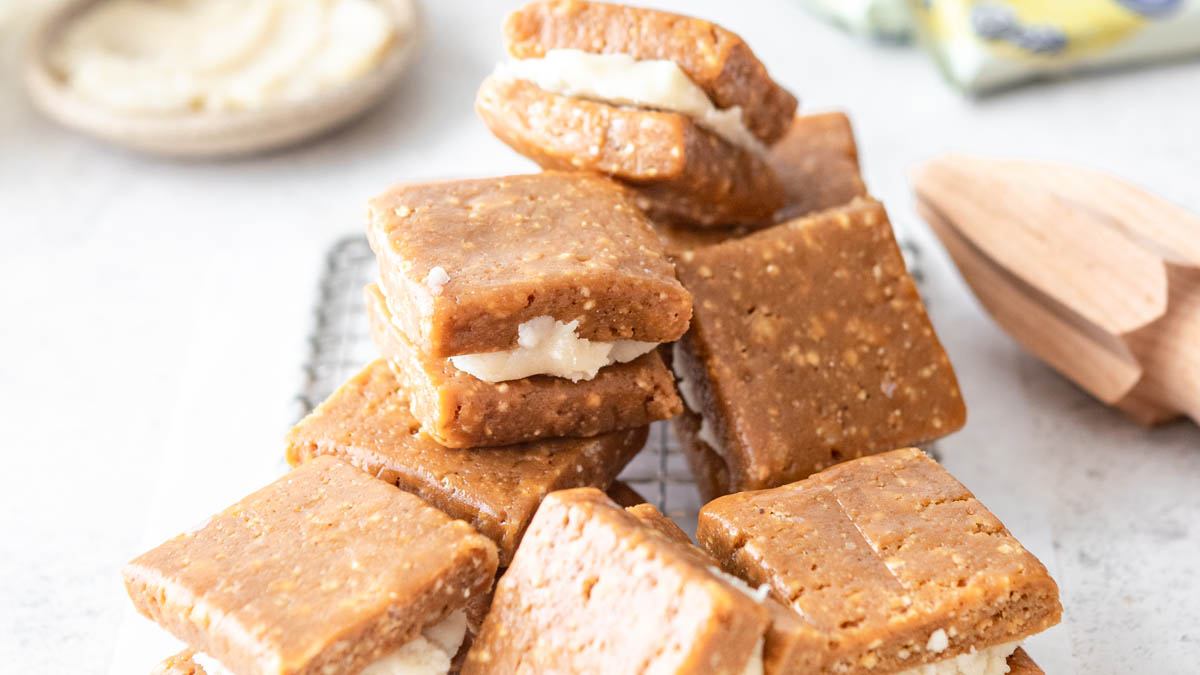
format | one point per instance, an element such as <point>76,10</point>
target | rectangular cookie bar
<point>715,59</point>
<point>367,422</point>
<point>462,411</point>
<point>326,570</point>
<point>593,589</point>
<point>677,107</point>
<point>891,564</point>
<point>787,648</point>
<point>478,606</point>
<point>817,164</point>
<point>464,264</point>
<point>680,172</point>
<point>809,346</point>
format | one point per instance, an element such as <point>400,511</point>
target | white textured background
<point>152,317</point>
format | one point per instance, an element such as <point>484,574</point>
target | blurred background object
<point>885,19</point>
<point>217,77</point>
<point>983,45</point>
<point>1098,278</point>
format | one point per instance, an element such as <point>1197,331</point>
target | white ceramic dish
<point>215,134</point>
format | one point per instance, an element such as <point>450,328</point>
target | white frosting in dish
<point>427,654</point>
<point>990,661</point>
<point>622,80</point>
<point>549,347</point>
<point>179,56</point>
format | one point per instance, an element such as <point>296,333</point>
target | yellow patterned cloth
<point>988,44</point>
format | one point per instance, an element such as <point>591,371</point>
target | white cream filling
<point>550,347</point>
<point>620,79</point>
<point>990,661</point>
<point>427,654</point>
<point>691,396</point>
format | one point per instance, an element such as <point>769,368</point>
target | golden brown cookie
<point>367,422</point>
<point>891,561</point>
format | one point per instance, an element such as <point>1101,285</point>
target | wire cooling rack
<point>340,345</point>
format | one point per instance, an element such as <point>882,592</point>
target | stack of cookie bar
<point>693,251</point>
<point>520,321</point>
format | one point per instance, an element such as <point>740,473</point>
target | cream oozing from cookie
<point>691,398</point>
<point>549,347</point>
<point>989,661</point>
<point>430,653</point>
<point>620,79</point>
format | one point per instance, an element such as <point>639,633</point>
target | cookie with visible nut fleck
<point>680,172</point>
<point>892,565</point>
<point>715,59</point>
<point>368,423</point>
<point>676,107</point>
<point>809,345</point>
<point>594,588</point>
<point>816,162</point>
<point>461,411</point>
<point>326,570</point>
<point>463,264</point>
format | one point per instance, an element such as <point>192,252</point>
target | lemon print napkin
<point>988,44</point>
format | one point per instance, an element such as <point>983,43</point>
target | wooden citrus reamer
<point>1096,277</point>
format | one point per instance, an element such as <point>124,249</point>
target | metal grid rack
<point>340,345</point>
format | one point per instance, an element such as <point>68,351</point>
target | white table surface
<point>152,318</point>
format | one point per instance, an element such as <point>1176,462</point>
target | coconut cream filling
<point>691,398</point>
<point>622,80</point>
<point>546,346</point>
<point>429,653</point>
<point>990,661</point>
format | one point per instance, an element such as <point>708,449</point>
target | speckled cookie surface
<point>817,165</point>
<point>566,245</point>
<point>810,345</point>
<point>879,554</point>
<point>368,423</point>
<point>788,649</point>
<point>680,172</point>
<point>593,589</point>
<point>816,162</point>
<point>323,571</point>
<point>717,60</point>
<point>461,411</point>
